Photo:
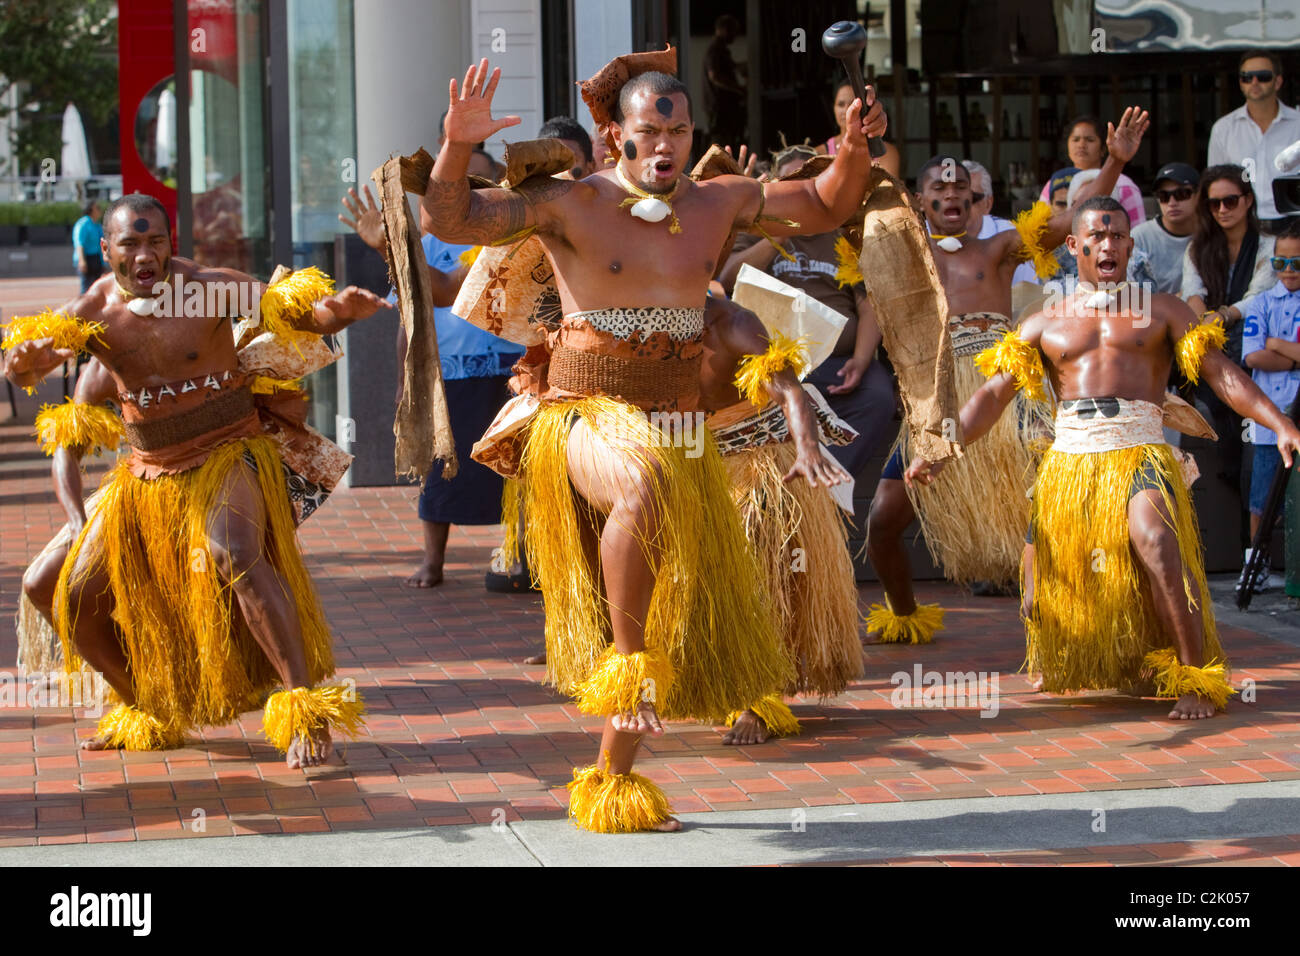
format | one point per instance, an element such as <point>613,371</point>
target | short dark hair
<point>1099,204</point>
<point>1290,231</point>
<point>139,203</point>
<point>88,206</point>
<point>1091,121</point>
<point>654,83</point>
<point>566,127</point>
<point>940,160</point>
<point>1269,55</point>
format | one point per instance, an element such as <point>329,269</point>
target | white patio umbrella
<point>165,135</point>
<point>75,161</point>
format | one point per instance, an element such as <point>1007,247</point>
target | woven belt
<point>225,409</point>
<point>636,380</point>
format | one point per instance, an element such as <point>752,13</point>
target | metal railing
<point>39,189</point>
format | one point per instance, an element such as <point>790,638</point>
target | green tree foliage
<point>56,52</point>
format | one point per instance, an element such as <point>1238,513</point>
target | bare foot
<point>644,721</point>
<point>427,575</point>
<point>310,750</point>
<point>536,658</point>
<point>748,729</point>
<point>1192,707</point>
<point>671,825</point>
<point>1036,682</point>
<point>98,742</point>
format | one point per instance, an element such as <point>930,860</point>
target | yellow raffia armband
<point>605,802</point>
<point>469,256</point>
<point>1174,679</point>
<point>1032,224</point>
<point>78,425</point>
<point>847,270</point>
<point>775,714</point>
<point>291,297</point>
<point>297,712</point>
<point>1015,357</point>
<point>621,681</point>
<point>915,628</point>
<point>265,385</point>
<point>66,331</point>
<point>755,371</point>
<point>1196,341</point>
<point>128,728</point>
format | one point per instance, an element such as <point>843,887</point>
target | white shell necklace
<point>647,206</point>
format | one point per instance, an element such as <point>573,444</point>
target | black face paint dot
<point>966,203</point>
<point>629,149</point>
<point>122,269</point>
<point>141,225</point>
<point>934,204</point>
<point>664,105</point>
<point>1105,218</point>
<point>1086,250</point>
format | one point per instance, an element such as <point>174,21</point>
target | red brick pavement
<point>459,728</point>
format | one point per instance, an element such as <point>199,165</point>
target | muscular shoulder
<point>1032,327</point>
<point>95,385</point>
<point>1175,314</point>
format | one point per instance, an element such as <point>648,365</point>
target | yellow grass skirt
<point>191,656</point>
<point>708,613</point>
<point>802,547</point>
<point>1093,619</point>
<point>975,515</point>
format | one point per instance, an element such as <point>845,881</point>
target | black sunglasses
<point>1227,202</point>
<point>1283,263</point>
<point>1264,76</point>
<point>1182,194</point>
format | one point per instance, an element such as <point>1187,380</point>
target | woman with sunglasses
<point>1085,142</point>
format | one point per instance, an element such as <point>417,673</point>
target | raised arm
<point>367,221</point>
<point>451,210</point>
<point>824,203</point>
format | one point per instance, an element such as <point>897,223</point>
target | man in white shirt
<point>1253,134</point>
<point>983,224</point>
<point>1163,240</point>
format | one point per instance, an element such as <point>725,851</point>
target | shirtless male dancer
<point>630,275</point>
<point>210,455</point>
<point>977,534</point>
<point>1115,575</point>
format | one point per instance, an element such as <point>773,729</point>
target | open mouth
<point>145,277</point>
<point>952,215</point>
<point>1107,267</point>
<point>662,168</point>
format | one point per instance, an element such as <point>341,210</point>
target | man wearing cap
<point>1163,240</point>
<point>1253,134</point>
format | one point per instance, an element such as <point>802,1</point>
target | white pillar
<point>602,30</point>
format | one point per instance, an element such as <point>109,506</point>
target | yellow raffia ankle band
<point>620,682</point>
<point>915,628</point>
<point>755,371</point>
<point>775,714</point>
<point>615,802</point>
<point>290,713</point>
<point>129,728</point>
<point>78,425</point>
<point>1174,679</point>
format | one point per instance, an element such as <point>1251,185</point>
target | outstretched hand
<point>469,116</point>
<point>1123,141</point>
<point>921,472</point>
<point>817,469</point>
<point>29,362</point>
<point>746,160</point>
<point>367,218</point>
<point>352,304</point>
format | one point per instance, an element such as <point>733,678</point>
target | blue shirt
<point>1271,314</point>
<point>465,350</point>
<point>86,234</point>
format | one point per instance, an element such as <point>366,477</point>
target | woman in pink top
<point>1085,142</point>
<point>844,95</point>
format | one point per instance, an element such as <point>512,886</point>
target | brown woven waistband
<point>225,409</point>
<point>636,380</point>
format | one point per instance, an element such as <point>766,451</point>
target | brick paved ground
<point>460,730</point>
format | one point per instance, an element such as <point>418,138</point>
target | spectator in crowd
<point>1085,140</point>
<point>1227,260</point>
<point>844,97</point>
<point>1270,348</point>
<point>983,224</point>
<point>569,132</point>
<point>857,387</point>
<point>86,236</point>
<point>1162,241</point>
<point>724,91</point>
<point>1253,134</point>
